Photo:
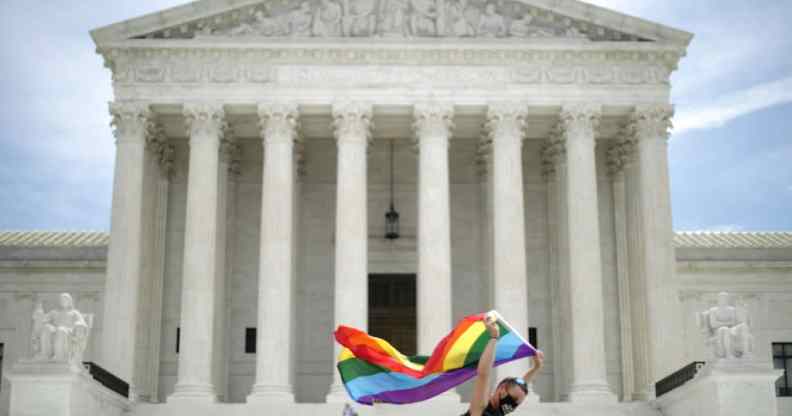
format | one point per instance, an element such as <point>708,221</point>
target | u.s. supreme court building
<point>286,166</point>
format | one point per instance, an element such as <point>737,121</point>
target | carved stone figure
<point>261,25</point>
<point>456,24</point>
<point>327,19</point>
<point>359,17</point>
<point>491,24</point>
<point>727,329</point>
<point>571,31</point>
<point>525,27</point>
<point>60,335</point>
<point>423,20</point>
<point>301,20</point>
<point>394,18</point>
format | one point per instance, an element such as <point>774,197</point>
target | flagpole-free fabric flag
<point>373,371</point>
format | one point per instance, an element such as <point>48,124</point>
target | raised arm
<point>481,389</point>
<point>538,363</point>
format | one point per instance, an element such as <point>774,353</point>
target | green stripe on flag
<point>473,355</point>
<point>353,368</point>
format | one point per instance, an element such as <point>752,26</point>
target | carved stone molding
<point>204,120</point>
<point>132,121</point>
<point>278,122</point>
<point>651,121</point>
<point>433,122</point>
<point>352,122</point>
<point>579,121</point>
<point>308,66</point>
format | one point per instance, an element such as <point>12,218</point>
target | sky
<point>730,154</point>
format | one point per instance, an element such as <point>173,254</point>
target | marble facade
<point>251,182</point>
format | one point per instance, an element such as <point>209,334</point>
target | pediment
<point>390,20</point>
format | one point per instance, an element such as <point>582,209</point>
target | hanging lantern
<point>392,216</point>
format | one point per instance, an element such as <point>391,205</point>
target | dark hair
<point>514,381</point>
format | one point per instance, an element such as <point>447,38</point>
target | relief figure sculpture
<point>491,24</point>
<point>359,17</point>
<point>301,20</point>
<point>394,18</point>
<point>327,19</point>
<point>423,21</point>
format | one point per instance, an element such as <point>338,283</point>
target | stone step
<point>423,409</point>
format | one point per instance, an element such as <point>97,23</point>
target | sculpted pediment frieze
<point>399,19</point>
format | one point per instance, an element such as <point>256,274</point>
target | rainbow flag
<point>374,371</point>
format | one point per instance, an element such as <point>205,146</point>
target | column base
<point>266,394</point>
<point>592,392</point>
<point>338,394</point>
<point>204,393</point>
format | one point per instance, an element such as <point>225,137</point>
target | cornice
<point>367,65</point>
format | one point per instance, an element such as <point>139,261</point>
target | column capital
<point>352,122</point>
<point>433,122</point>
<point>620,154</point>
<point>157,144</point>
<point>553,155</point>
<point>278,122</point>
<point>579,120</point>
<point>204,119</point>
<point>506,121</point>
<point>132,120</point>
<point>651,121</point>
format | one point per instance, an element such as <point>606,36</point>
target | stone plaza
<point>259,147</point>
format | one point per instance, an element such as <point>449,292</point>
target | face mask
<point>508,404</point>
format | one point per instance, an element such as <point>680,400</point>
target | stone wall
<point>32,275</point>
<point>760,278</point>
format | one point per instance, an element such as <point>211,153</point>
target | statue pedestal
<point>49,388</point>
<point>734,387</point>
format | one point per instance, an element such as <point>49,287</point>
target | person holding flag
<point>510,392</point>
<point>373,371</point>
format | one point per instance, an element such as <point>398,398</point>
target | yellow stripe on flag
<point>393,352</point>
<point>458,352</point>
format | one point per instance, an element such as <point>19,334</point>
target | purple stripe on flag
<point>439,385</point>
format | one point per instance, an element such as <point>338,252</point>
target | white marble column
<point>580,123</point>
<point>553,157</point>
<point>278,122</point>
<point>132,122</point>
<point>205,123</point>
<point>151,309</point>
<point>228,151</point>
<point>352,123</point>
<point>642,388</point>
<point>618,158</point>
<point>649,126</point>
<point>230,154</point>
<point>505,128</point>
<point>433,125</point>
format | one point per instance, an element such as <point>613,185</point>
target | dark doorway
<point>391,309</point>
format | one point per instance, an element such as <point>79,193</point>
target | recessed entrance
<point>391,309</point>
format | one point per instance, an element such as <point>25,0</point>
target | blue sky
<point>730,154</point>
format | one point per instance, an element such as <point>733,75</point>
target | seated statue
<point>727,329</point>
<point>60,335</point>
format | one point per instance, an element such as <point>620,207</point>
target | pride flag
<point>374,371</point>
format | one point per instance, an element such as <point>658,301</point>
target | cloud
<point>730,106</point>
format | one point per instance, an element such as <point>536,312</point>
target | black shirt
<point>488,411</point>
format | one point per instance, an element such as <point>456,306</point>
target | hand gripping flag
<point>373,371</point>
